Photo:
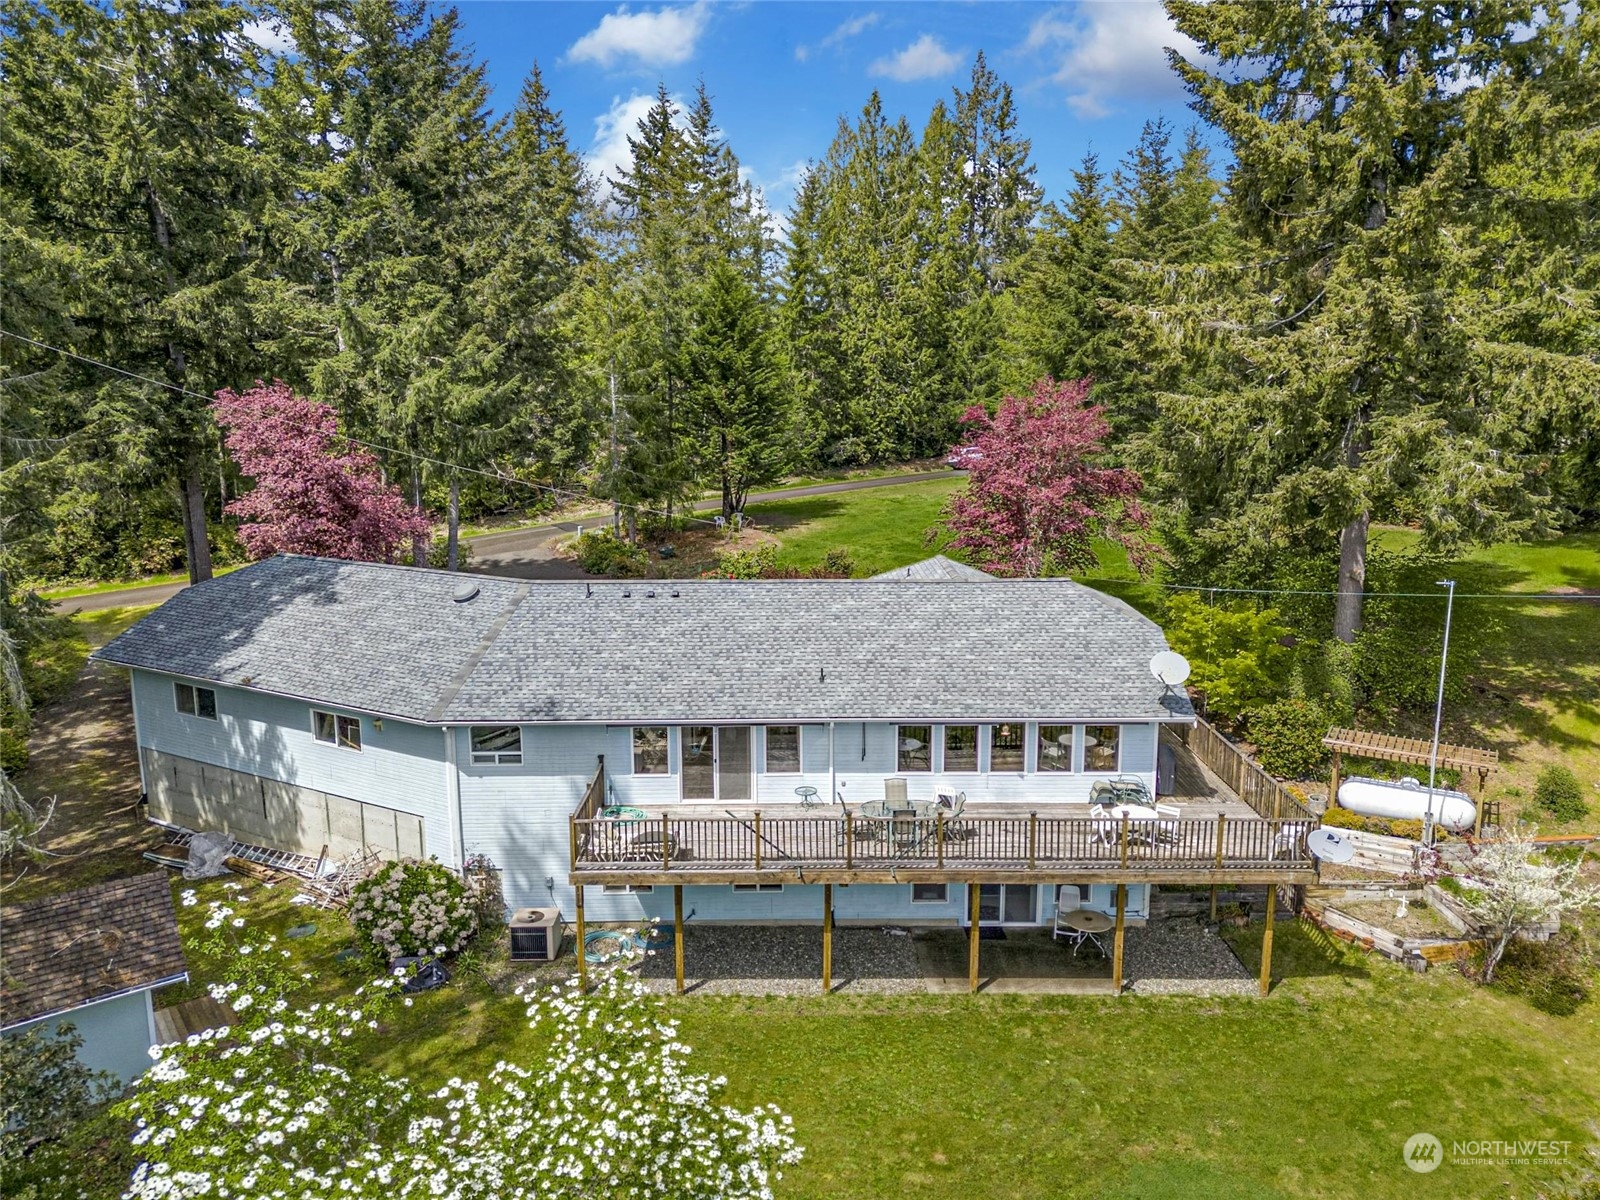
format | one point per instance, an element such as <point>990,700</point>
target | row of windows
<point>501,745</point>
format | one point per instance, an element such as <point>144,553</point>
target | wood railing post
<point>666,844</point>
<point>849,841</point>
<point>1124,842</point>
<point>583,965</point>
<point>758,839</point>
<point>572,831</point>
<point>938,837</point>
<point>1033,839</point>
<point>1222,828</point>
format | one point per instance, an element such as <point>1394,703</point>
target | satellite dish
<point>1329,846</point>
<point>1170,667</point>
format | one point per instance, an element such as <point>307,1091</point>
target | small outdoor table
<point>1091,923</point>
<point>808,796</point>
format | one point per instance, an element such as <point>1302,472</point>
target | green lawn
<point>1307,1094</point>
<point>880,527</point>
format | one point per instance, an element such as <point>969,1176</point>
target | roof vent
<point>674,593</point>
<point>466,591</point>
<point>650,595</point>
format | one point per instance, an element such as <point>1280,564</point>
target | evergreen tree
<point>131,189</point>
<point>735,398</point>
<point>1351,384</point>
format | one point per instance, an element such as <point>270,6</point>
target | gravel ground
<point>1178,957</point>
<point>786,961</point>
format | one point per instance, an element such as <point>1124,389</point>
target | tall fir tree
<point>1350,386</point>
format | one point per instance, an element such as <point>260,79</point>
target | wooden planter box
<point>1415,952</point>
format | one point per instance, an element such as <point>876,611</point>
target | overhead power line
<point>1197,587</point>
<point>168,385</point>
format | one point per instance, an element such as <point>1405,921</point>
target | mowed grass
<point>880,528</point>
<point>1309,1093</point>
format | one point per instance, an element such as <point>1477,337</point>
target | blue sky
<point>781,73</point>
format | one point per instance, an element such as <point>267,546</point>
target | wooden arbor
<point>1389,748</point>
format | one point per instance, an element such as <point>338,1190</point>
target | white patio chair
<point>1105,826</point>
<point>1068,899</point>
<point>1167,825</point>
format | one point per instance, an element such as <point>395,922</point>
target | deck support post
<point>827,938</point>
<point>1333,781</point>
<point>583,966</point>
<point>1266,940</point>
<point>973,892</point>
<point>1213,904</point>
<point>1116,945</point>
<point>677,933</point>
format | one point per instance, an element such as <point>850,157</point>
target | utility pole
<point>1438,710</point>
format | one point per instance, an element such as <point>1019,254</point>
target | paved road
<point>526,553</point>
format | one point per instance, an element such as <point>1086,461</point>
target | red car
<point>964,458</point>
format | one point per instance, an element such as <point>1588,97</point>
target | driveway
<point>526,553</point>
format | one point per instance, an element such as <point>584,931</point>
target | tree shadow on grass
<point>786,514</point>
<point>1300,950</point>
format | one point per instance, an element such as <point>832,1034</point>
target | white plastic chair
<point>1169,815</point>
<point>1105,828</point>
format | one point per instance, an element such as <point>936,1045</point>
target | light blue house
<point>573,732</point>
<point>92,958</point>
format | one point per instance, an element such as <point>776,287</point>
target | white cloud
<point>1108,53</point>
<point>661,38</point>
<point>842,33</point>
<point>925,58</point>
<point>270,37</point>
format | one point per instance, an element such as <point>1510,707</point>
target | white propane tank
<point>1407,800</point>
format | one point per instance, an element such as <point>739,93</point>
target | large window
<point>960,747</point>
<point>1006,746</point>
<point>1055,747</point>
<point>915,744</point>
<point>650,750</point>
<point>783,749</point>
<point>500,744</point>
<point>195,701</point>
<point>336,730</point>
<point>1102,747</point>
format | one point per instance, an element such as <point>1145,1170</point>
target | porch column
<point>583,967</point>
<point>827,938</point>
<point>1116,944</point>
<point>677,933</point>
<point>1266,941</point>
<point>972,942</point>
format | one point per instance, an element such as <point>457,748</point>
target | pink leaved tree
<point>1035,498</point>
<point>314,493</point>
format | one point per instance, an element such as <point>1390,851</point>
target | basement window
<point>497,744</point>
<point>336,730</point>
<point>758,887</point>
<point>195,701</point>
<point>627,889</point>
<point>930,893</point>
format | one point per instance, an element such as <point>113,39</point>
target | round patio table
<point>1091,923</point>
<point>808,796</point>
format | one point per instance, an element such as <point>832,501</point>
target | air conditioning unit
<point>535,933</point>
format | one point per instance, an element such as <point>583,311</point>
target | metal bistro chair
<point>905,830</point>
<point>860,830</point>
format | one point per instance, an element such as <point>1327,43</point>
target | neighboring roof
<point>68,950</point>
<point>393,641</point>
<point>936,569</point>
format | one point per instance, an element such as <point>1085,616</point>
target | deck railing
<point>1032,842</point>
<point>588,810</point>
<point>1245,779</point>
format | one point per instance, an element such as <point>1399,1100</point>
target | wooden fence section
<point>1250,783</point>
<point>754,843</point>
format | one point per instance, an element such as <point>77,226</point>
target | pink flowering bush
<point>413,907</point>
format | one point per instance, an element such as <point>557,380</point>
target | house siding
<point>399,767</point>
<point>116,1034</point>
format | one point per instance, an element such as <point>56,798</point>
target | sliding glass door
<point>1006,904</point>
<point>716,762</point>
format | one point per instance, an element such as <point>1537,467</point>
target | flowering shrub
<point>411,907</point>
<point>284,1104</point>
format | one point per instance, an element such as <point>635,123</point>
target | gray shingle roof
<point>393,641</point>
<point>937,568</point>
<point>62,951</point>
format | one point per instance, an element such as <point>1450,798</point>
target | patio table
<point>1142,821</point>
<point>1091,923</point>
